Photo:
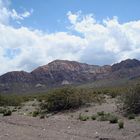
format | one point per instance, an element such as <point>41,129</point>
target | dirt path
<point>65,127</point>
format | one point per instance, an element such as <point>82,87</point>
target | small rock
<point>6,135</point>
<point>96,135</point>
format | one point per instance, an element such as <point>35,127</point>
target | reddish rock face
<point>16,76</point>
<point>71,71</point>
<point>60,72</point>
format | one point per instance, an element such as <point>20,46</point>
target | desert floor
<point>66,126</point>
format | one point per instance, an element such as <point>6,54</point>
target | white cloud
<point>108,41</point>
<point>19,16</point>
<point>32,48</point>
<point>98,43</point>
<point>7,14</point>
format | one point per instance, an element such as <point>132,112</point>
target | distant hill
<point>64,72</point>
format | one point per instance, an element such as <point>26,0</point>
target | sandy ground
<point>66,126</point>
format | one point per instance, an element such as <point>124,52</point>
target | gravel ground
<point>66,126</point>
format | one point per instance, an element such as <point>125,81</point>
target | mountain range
<point>63,72</point>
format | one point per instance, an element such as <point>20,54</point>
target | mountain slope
<point>61,72</point>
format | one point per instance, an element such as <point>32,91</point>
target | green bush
<point>113,119</point>
<point>43,105</point>
<point>65,98</point>
<point>83,117</point>
<point>35,113</point>
<point>11,100</point>
<point>121,124</point>
<point>2,110</point>
<point>7,112</point>
<point>93,117</point>
<point>102,118</point>
<point>102,113</point>
<point>129,103</point>
<point>131,116</point>
<point>14,110</point>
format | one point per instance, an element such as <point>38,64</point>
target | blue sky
<point>50,15</point>
<point>35,32</point>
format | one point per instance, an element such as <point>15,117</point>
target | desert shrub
<point>43,105</point>
<point>113,92</point>
<point>7,112</point>
<point>1,100</point>
<point>68,98</point>
<point>113,119</point>
<point>83,117</point>
<point>10,100</point>
<point>2,110</point>
<point>14,110</point>
<point>93,117</point>
<point>65,98</point>
<point>129,103</point>
<point>102,113</point>
<point>121,124</point>
<point>102,118</point>
<point>131,116</point>
<point>35,113</point>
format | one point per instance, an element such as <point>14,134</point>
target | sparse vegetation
<point>93,117</point>
<point>113,119</point>
<point>83,117</point>
<point>35,113</point>
<point>63,99</point>
<point>2,110</point>
<point>102,118</point>
<point>7,112</point>
<point>69,98</point>
<point>131,116</point>
<point>12,100</point>
<point>129,103</point>
<point>102,113</point>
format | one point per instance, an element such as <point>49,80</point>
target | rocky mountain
<point>62,72</point>
<point>127,64</point>
<point>128,68</point>
<point>59,71</point>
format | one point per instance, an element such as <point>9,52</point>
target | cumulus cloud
<point>26,49</point>
<point>108,41</point>
<point>100,43</point>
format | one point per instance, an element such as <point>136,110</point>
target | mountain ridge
<point>61,72</point>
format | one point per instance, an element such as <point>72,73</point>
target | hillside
<point>64,72</point>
